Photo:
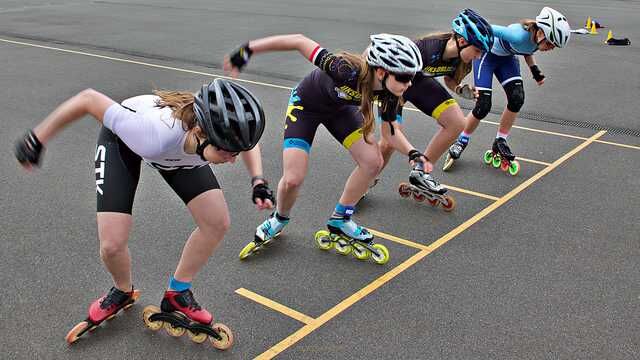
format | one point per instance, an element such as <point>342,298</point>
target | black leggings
<point>118,173</point>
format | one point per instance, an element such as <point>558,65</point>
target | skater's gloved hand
<point>467,91</point>
<point>28,150</point>
<point>538,76</point>
<point>416,157</point>
<point>234,62</point>
<point>262,195</point>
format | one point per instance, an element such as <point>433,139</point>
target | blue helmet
<point>474,29</point>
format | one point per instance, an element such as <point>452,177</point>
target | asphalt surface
<point>549,271</point>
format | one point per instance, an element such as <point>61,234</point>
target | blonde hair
<point>463,69</point>
<point>366,79</point>
<point>181,104</point>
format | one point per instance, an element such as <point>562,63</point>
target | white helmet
<point>555,26</point>
<point>394,53</point>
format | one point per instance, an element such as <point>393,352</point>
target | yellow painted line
<point>397,239</point>
<point>144,63</point>
<point>276,306</point>
<point>618,144</point>
<point>469,192</point>
<point>533,161</point>
<point>346,303</point>
<point>261,83</point>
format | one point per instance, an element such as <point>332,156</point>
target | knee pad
<point>515,95</point>
<point>483,104</point>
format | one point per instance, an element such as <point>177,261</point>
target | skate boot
<point>422,186</point>
<point>454,153</point>
<point>265,233</point>
<point>103,309</point>
<point>348,237</point>
<point>179,313</point>
<point>500,156</point>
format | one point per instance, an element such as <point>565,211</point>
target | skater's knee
<point>218,224</point>
<point>292,180</point>
<point>515,96</point>
<point>483,105</point>
<point>112,247</point>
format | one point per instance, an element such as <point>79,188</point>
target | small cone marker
<point>593,29</point>
<point>588,24</point>
<point>609,36</point>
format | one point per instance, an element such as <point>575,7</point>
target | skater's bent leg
<point>507,120</point>
<point>113,233</point>
<point>452,122</point>
<point>386,149</point>
<point>210,213</point>
<point>295,165</point>
<point>515,100</point>
<point>369,164</point>
<point>472,123</point>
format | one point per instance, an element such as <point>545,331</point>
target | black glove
<point>240,57</point>
<point>262,192</point>
<point>417,156</point>
<point>537,74</point>
<point>28,149</point>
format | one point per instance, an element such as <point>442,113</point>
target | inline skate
<point>179,313</point>
<point>454,153</point>
<point>265,233</point>
<point>104,308</point>
<point>500,156</point>
<point>349,238</point>
<point>422,186</point>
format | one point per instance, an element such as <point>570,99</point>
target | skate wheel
<point>433,202</point>
<point>504,165</point>
<point>448,162</point>
<point>174,331</point>
<point>74,334</point>
<point>418,197</point>
<point>404,190</point>
<point>360,252</point>
<point>323,240</point>
<point>488,157</point>
<point>146,314</point>
<point>514,168</point>
<point>343,247</point>
<point>496,161</point>
<point>450,204</point>
<point>380,255</point>
<point>197,338</point>
<point>247,250</point>
<point>226,337</point>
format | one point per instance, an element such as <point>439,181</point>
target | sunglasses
<point>404,78</point>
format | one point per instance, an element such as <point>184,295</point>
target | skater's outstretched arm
<point>234,62</point>
<point>87,102</point>
<point>537,74</point>
<point>262,195</point>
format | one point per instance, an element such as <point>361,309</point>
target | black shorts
<point>429,96</point>
<point>344,124</point>
<point>118,173</point>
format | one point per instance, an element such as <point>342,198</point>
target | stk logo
<point>101,153</point>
